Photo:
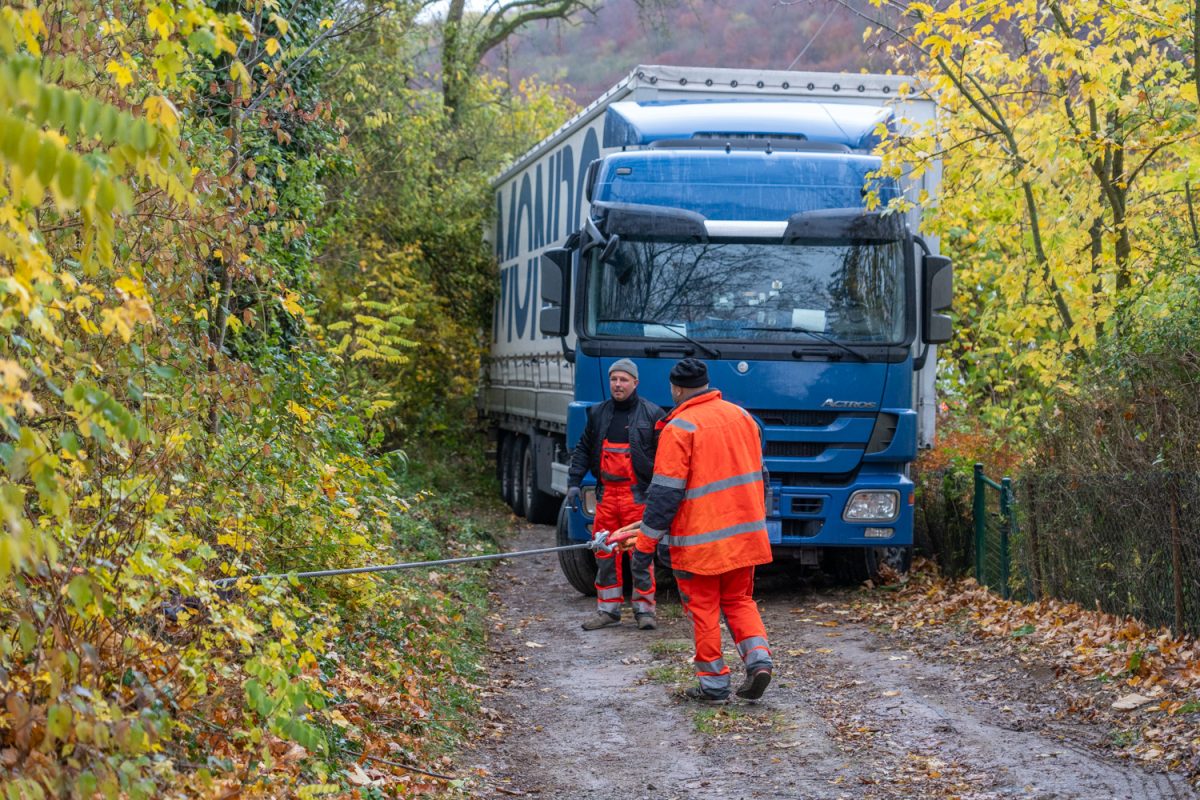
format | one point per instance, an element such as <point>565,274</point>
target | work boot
<point>755,684</point>
<point>602,620</point>
<point>698,695</point>
<point>646,621</point>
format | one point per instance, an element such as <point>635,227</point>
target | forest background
<point>243,297</point>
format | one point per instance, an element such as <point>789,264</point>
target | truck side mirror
<point>556,292</point>
<point>589,179</point>
<point>937,274</point>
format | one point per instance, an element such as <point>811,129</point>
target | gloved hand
<point>573,498</point>
<point>645,544</point>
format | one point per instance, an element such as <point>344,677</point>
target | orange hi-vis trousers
<point>617,509</point>
<point>705,598</point>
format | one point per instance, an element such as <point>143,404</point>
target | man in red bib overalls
<point>617,445</point>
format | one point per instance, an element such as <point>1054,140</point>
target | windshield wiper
<point>674,328</point>
<point>816,335</point>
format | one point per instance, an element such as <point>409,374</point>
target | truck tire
<point>540,508</point>
<point>854,565</point>
<point>579,566</point>
<point>516,459</point>
<point>898,558</point>
<point>504,467</point>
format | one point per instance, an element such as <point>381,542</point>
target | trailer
<point>723,214</point>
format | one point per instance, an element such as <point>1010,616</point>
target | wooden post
<point>1034,547</point>
<point>1177,563</point>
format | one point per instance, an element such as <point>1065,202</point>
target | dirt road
<point>852,713</point>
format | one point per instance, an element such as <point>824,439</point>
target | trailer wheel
<point>540,508</point>
<point>517,458</point>
<point>504,468</point>
<point>579,566</point>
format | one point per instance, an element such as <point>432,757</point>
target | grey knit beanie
<point>624,365</point>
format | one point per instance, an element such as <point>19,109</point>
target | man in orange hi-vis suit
<point>706,514</point>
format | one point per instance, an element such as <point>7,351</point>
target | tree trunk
<point>456,67</point>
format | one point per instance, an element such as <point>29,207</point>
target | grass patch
<point>671,674</point>
<point>669,611</point>
<point>1124,738</point>
<point>737,719</point>
<point>664,648</point>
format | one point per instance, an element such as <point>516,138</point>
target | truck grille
<point>814,479</point>
<point>796,419</point>
<point>793,449</point>
<point>801,527</point>
<point>807,505</point>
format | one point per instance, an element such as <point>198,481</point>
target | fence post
<point>1005,531</point>
<point>980,512</point>
<point>1176,564</point>
<point>1031,516</point>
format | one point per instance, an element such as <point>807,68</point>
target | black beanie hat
<point>689,373</point>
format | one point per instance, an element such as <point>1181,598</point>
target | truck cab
<point>761,237</point>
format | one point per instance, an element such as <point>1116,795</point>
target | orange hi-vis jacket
<point>706,504</point>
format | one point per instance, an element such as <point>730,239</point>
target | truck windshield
<point>738,291</point>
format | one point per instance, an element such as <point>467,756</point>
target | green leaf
<point>68,441</point>
<point>58,721</point>
<point>203,41</point>
<point>305,734</point>
<point>47,160</point>
<point>1024,630</point>
<point>80,592</point>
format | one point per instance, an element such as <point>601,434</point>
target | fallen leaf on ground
<point>1131,701</point>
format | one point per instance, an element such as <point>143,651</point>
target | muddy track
<point>851,713</point>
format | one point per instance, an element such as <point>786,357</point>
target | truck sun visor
<point>662,223</point>
<point>844,223</point>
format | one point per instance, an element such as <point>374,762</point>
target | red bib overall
<point>617,508</point>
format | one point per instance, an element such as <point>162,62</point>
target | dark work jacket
<point>642,442</point>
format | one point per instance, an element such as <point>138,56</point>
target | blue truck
<point>723,214</point>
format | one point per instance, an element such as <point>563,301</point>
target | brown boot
<point>602,620</point>
<point>646,621</point>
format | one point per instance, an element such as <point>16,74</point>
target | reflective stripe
<point>653,533</point>
<point>712,667</point>
<point>716,686</point>
<point>611,593</point>
<point>670,483</point>
<point>713,536</point>
<point>683,423</point>
<point>616,448</point>
<point>758,657</point>
<point>749,643</point>
<point>724,483</point>
<point>609,477</point>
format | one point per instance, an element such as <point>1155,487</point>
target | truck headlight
<point>588,495</point>
<point>872,506</point>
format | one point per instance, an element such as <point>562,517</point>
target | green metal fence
<point>995,525</point>
<point>1126,544</point>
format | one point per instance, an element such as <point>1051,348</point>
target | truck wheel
<point>540,508</point>
<point>898,559</point>
<point>504,468</point>
<point>855,565</point>
<point>579,566</point>
<point>517,458</point>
